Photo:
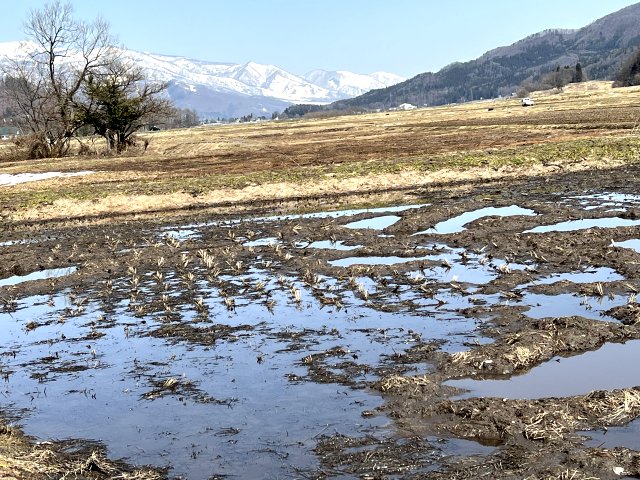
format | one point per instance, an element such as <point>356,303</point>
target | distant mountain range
<point>232,90</point>
<point>600,47</point>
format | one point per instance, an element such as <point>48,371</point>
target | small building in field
<point>406,106</point>
<point>9,133</point>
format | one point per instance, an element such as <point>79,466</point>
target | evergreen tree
<point>119,103</point>
<point>579,76</point>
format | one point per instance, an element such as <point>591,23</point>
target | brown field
<point>585,125</point>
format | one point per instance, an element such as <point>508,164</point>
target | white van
<point>527,102</point>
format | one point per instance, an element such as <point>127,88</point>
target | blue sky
<point>406,37</point>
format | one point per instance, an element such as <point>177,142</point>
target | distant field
<point>585,125</point>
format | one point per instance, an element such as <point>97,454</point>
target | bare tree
<point>45,88</point>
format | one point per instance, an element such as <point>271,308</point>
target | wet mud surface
<point>351,344</point>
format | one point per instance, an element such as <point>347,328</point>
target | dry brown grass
<point>140,203</point>
<point>204,166</point>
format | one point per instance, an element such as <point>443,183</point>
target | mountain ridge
<point>218,89</point>
<point>600,47</point>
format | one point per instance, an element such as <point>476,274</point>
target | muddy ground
<point>191,285</point>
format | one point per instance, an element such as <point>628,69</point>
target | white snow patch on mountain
<point>348,84</point>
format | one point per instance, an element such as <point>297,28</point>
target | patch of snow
<point>9,179</point>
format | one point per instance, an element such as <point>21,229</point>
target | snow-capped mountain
<point>230,90</point>
<point>350,84</point>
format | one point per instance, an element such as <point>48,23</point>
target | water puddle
<point>456,272</point>
<point>262,242</point>
<point>328,245</point>
<point>375,223</point>
<point>459,265</point>
<point>463,448</point>
<point>614,437</point>
<point>10,243</point>
<point>567,305</point>
<point>228,399</point>
<point>612,366</point>
<point>633,244</point>
<point>573,225</point>
<point>390,260</point>
<point>255,360</point>
<point>606,200</point>
<point>182,234</point>
<point>40,275</point>
<point>589,275</point>
<point>340,213</point>
<point>457,224</point>
<point>350,213</point>
<point>187,231</point>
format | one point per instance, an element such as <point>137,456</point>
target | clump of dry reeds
<point>525,355</point>
<point>614,407</point>
<point>397,383</point>
<point>19,459</point>
<point>550,424</point>
<point>604,408</point>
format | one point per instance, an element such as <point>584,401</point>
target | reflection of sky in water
<point>329,245</point>
<point>567,305</point>
<point>604,200</point>
<point>591,275</point>
<point>94,385</point>
<point>320,244</point>
<point>633,244</point>
<point>453,269</point>
<point>462,447</point>
<point>344,213</point>
<point>390,260</point>
<point>627,436</point>
<point>375,223</point>
<point>457,224</point>
<point>572,225</point>
<point>182,234</point>
<point>262,242</point>
<point>187,231</point>
<point>613,365</point>
<point>40,275</point>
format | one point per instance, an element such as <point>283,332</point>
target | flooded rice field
<point>431,339</point>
